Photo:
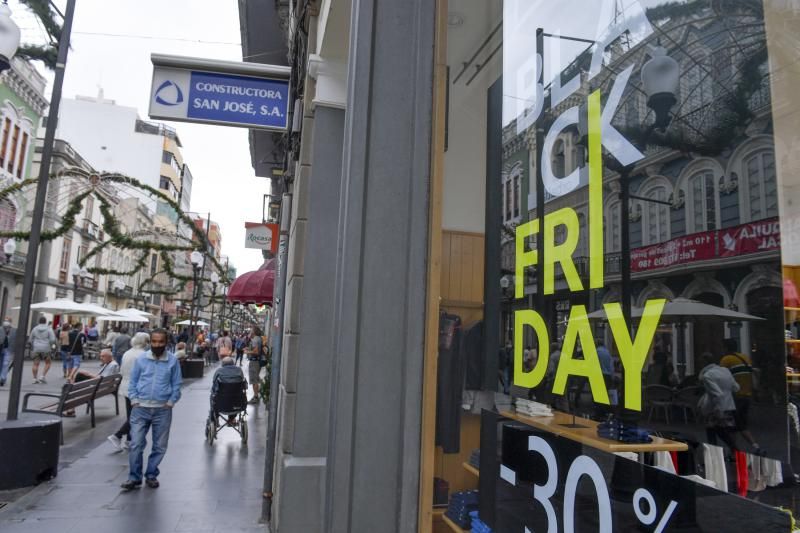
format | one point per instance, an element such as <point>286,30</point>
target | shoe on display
<point>115,442</point>
<point>130,485</point>
<point>152,482</point>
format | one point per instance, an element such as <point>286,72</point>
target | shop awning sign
<point>262,236</point>
<point>226,93</point>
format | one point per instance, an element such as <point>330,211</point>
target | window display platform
<point>587,435</point>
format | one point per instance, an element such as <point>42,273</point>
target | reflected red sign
<point>755,237</point>
<point>695,247</point>
<point>751,238</point>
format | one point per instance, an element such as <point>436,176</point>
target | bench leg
<point>91,406</point>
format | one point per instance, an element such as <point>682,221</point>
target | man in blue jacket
<point>155,387</point>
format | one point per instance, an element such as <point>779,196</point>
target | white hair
<point>140,340</point>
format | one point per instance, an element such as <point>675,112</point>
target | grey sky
<point>224,182</point>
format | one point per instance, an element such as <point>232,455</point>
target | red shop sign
<point>695,247</point>
<point>755,237</point>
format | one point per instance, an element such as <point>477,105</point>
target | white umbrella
<point>65,306</point>
<point>188,322</point>
<point>681,309</point>
<point>134,312</point>
<point>117,318</point>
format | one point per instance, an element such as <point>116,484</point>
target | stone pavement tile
<point>162,522</point>
<point>34,525</point>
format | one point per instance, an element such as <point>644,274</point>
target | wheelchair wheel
<point>211,431</point>
<point>243,426</point>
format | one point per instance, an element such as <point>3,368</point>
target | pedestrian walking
<point>7,336</point>
<point>138,348</point>
<point>241,342</point>
<point>77,339</point>
<point>43,343</point>
<point>254,354</point>
<point>63,341</point>
<point>153,390</point>
<point>122,344</point>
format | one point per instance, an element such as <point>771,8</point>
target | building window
<point>759,186</point>
<point>63,267</point>
<point>516,194</point>
<point>164,183</point>
<point>23,150</point>
<point>702,202</point>
<point>612,225</point>
<point>4,143</point>
<point>12,152</point>
<point>655,222</point>
<point>153,264</point>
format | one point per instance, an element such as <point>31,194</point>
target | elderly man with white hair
<point>108,367</point>
<point>139,344</point>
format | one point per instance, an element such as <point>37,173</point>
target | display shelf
<point>792,341</point>
<point>587,435</point>
<point>471,469</point>
<point>452,525</point>
<point>791,308</point>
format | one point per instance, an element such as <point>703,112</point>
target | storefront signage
<point>225,93</point>
<point>543,482</point>
<point>262,236</point>
<point>599,110</point>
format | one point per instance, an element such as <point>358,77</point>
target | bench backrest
<point>108,385</point>
<point>76,394</point>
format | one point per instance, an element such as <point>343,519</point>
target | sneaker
<point>115,442</point>
<point>35,381</point>
<point>152,482</point>
<point>131,484</point>
<point>42,380</point>
<point>126,444</point>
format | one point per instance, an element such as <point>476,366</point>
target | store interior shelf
<point>471,469</point>
<point>587,434</point>
<point>452,525</point>
<point>792,341</point>
<point>791,308</point>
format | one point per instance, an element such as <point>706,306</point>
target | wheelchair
<point>228,408</point>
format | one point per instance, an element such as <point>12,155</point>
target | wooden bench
<point>76,394</point>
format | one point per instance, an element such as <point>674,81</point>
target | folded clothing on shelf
<point>475,458</point>
<point>531,408</point>
<point>477,524</point>
<point>461,505</point>
<point>615,430</point>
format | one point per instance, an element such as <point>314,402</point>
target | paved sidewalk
<point>203,488</point>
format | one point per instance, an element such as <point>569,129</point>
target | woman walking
<point>139,345</point>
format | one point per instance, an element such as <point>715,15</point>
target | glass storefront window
<point>640,185</point>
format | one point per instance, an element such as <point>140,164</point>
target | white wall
<point>104,134</point>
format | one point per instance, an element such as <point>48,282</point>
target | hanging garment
<point>663,460</point>
<point>449,383</point>
<point>474,356</point>
<point>742,479</point>
<point>764,472</point>
<point>714,459</point>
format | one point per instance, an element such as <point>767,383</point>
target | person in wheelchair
<point>227,373</point>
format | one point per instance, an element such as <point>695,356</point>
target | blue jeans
<point>5,362</point>
<point>142,419</point>
<point>64,358</point>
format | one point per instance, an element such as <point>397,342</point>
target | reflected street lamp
<point>9,37</point>
<point>197,261</point>
<point>660,78</point>
<point>9,248</point>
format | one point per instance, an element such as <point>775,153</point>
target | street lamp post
<point>214,282</point>
<point>197,261</point>
<point>8,35</point>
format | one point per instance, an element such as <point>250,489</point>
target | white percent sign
<point>650,516</point>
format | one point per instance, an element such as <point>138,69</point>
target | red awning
<point>254,287</point>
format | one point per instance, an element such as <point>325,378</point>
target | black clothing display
<point>474,356</point>
<point>449,383</point>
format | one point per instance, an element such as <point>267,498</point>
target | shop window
<point>759,187</point>
<point>655,222</point>
<point>702,202</point>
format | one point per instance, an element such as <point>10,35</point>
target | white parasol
<point>187,322</point>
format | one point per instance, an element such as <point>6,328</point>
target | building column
<point>373,457</point>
